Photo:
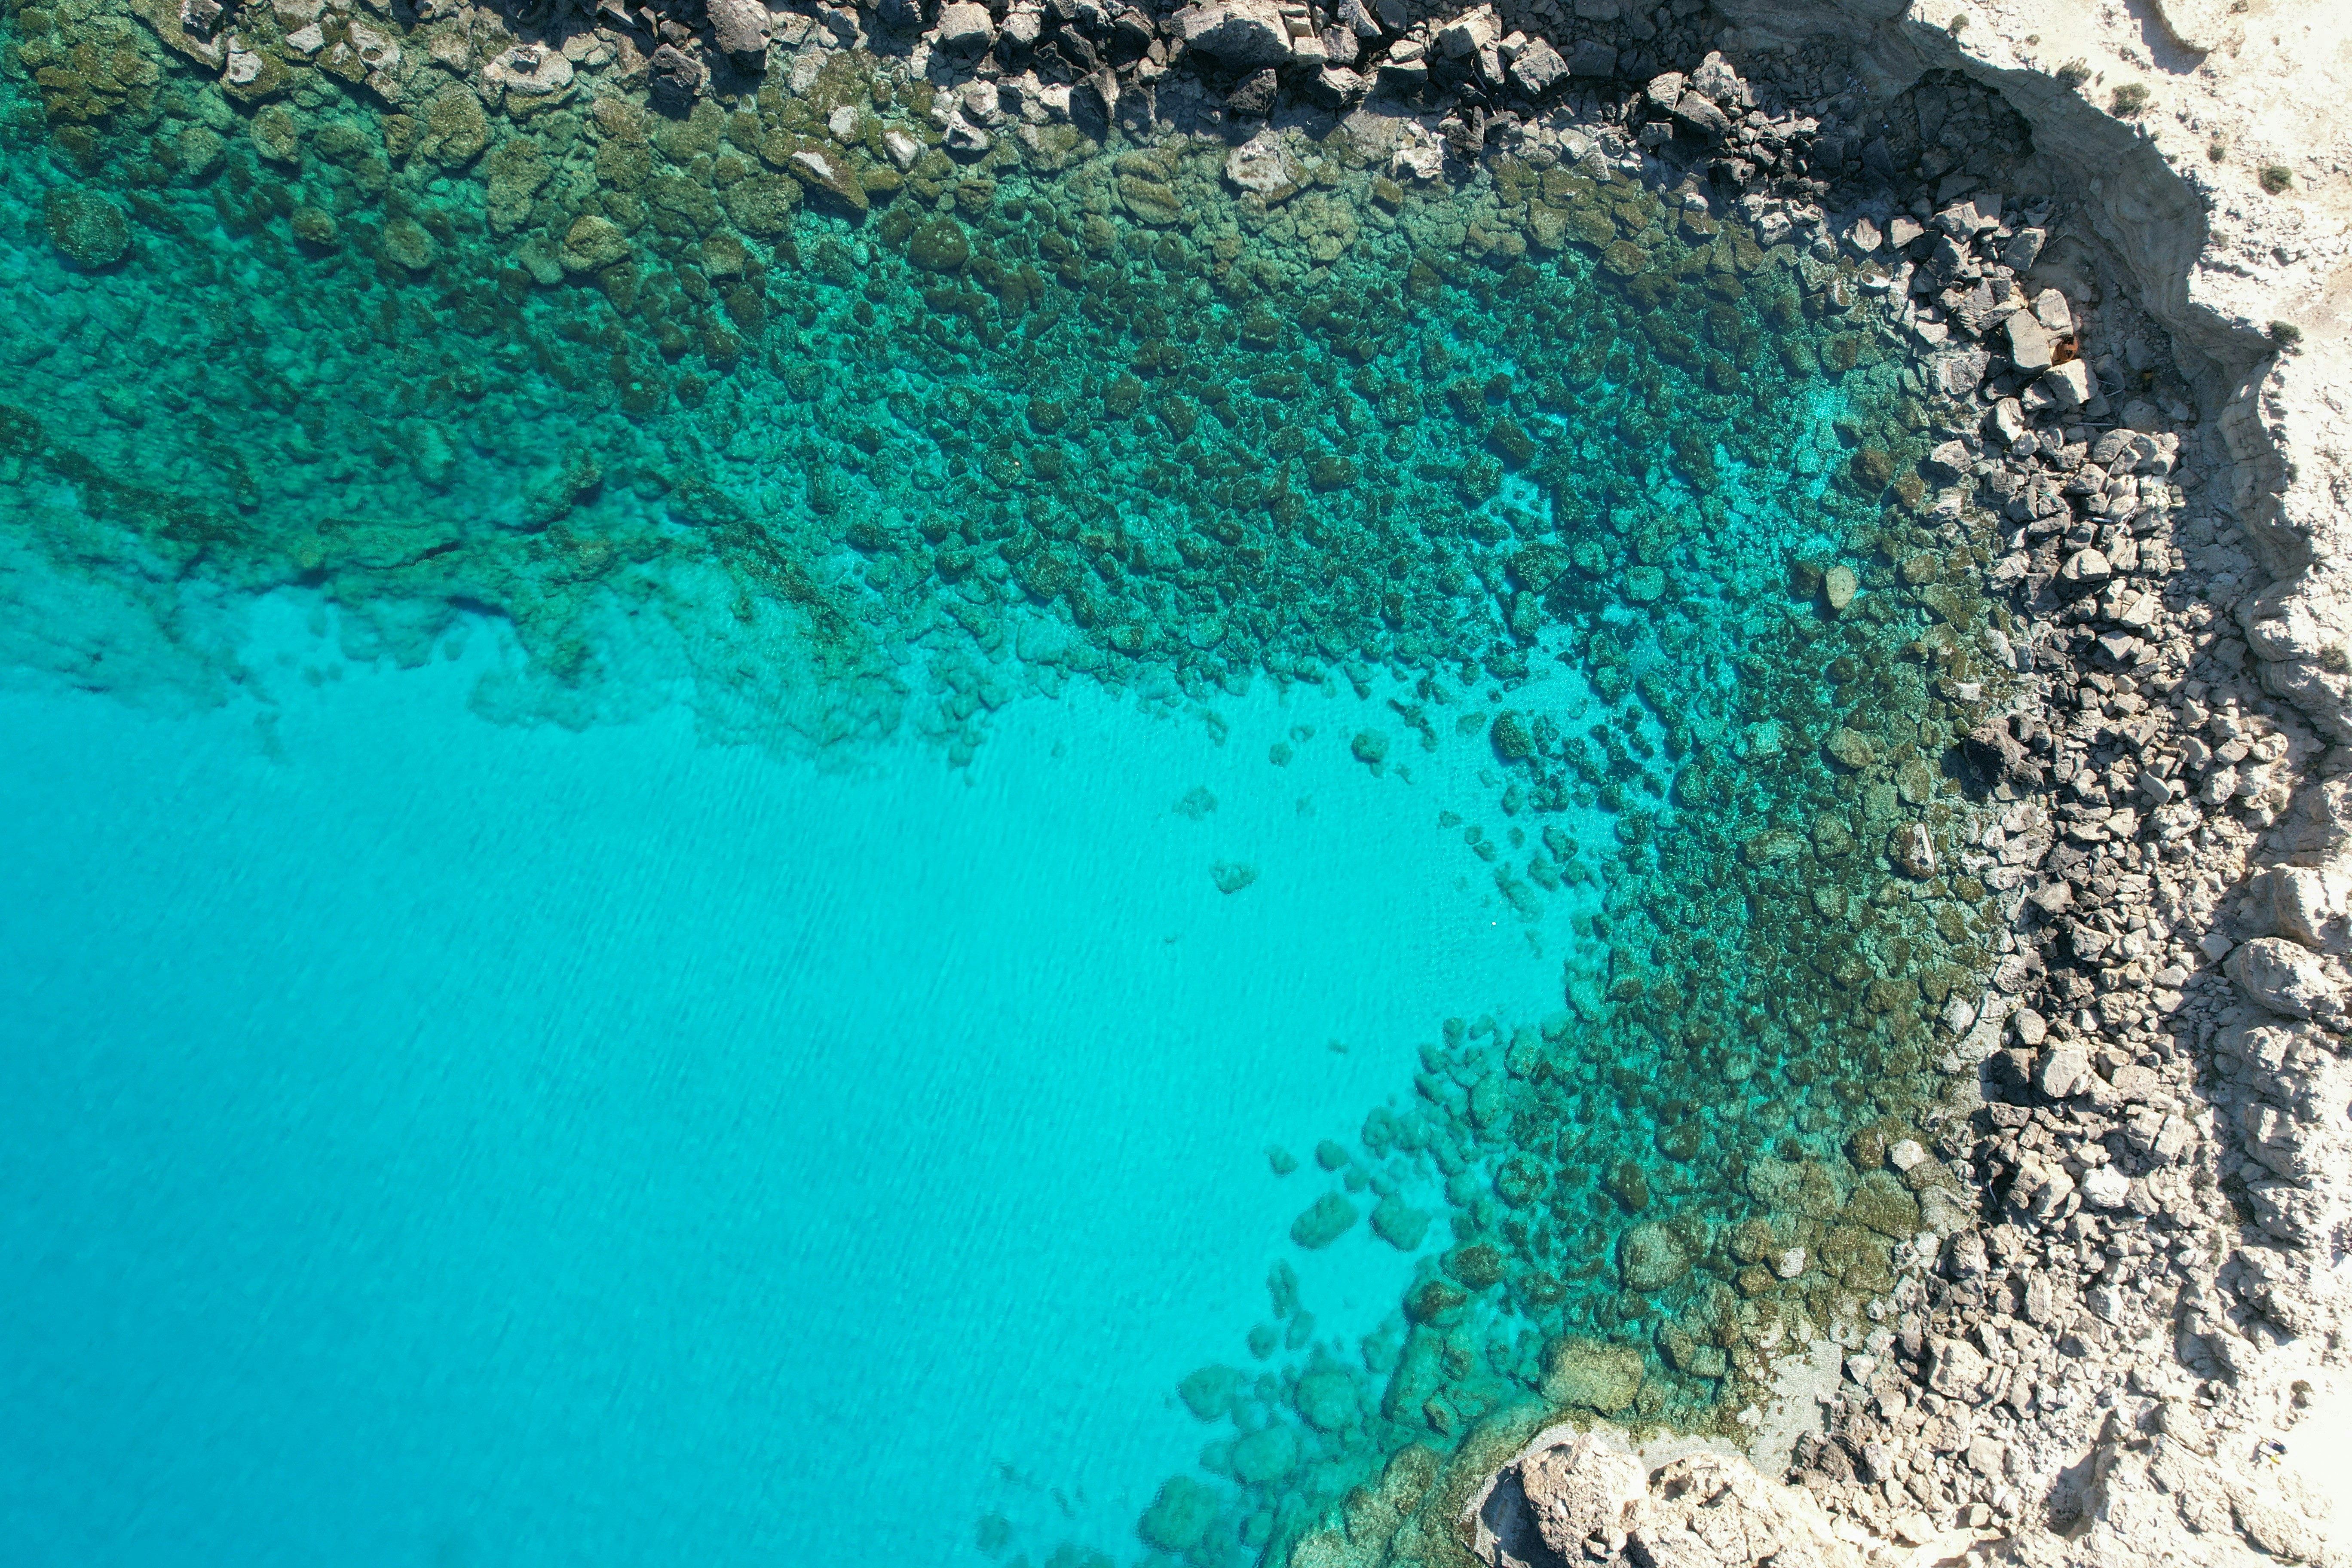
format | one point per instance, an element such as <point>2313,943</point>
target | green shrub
<point>2127,101</point>
<point>2276,178</point>
<point>2075,73</point>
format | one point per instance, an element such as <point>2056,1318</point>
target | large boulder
<point>1261,164</point>
<point>1240,34</point>
<point>966,28</point>
<point>1537,67</point>
<point>742,25</point>
<point>1580,1488</point>
<point>2286,978</point>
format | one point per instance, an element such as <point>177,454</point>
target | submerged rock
<point>1593,1374</point>
<point>1325,1223</point>
<point>1651,1258</point>
<point>1179,1517</point>
<point>88,229</point>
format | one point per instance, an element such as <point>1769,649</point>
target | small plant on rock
<point>2127,101</point>
<point>2075,73</point>
<point>2276,178</point>
<point>2286,336</point>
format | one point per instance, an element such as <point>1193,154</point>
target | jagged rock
<point>1254,96</point>
<point>2068,384</point>
<point>2029,343</point>
<point>1261,164</point>
<point>966,28</point>
<point>1240,34</point>
<point>742,26</point>
<point>1536,68</point>
<point>2285,978</point>
<point>673,76</point>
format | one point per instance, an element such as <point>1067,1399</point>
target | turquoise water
<point>436,1142</point>
<point>713,848</point>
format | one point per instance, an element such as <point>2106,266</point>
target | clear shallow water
<point>436,1142</point>
<point>790,527</point>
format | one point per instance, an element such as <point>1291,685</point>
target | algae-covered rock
<point>1268,1453</point>
<point>1325,1223</point>
<point>1477,1265</point>
<point>1512,738</point>
<point>939,244</point>
<point>1881,1204</point>
<point>763,204</point>
<point>408,243</point>
<point>824,170</point>
<point>1179,1517</point>
<point>1328,1400</point>
<point>456,129</point>
<point>1208,1393</point>
<point>593,244</point>
<point>1849,748</point>
<point>1399,1224</point>
<point>86,229</point>
<point>1232,876</point>
<point>1593,1374</point>
<point>1651,1258</point>
<point>1913,849</point>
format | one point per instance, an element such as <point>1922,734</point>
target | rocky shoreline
<point>2124,350</point>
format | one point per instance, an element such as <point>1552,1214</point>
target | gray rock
<point>1592,57</point>
<point>1334,87</point>
<point>1253,97</point>
<point>2029,342</point>
<point>2285,978</point>
<point>966,28</point>
<point>1697,112</point>
<point>1468,34</point>
<point>1240,34</point>
<point>673,76</point>
<point>742,25</point>
<point>1717,79</point>
<point>2070,385</point>
<point>2062,1070</point>
<point>2105,1187</point>
<point>1958,1371</point>
<point>1537,68</point>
